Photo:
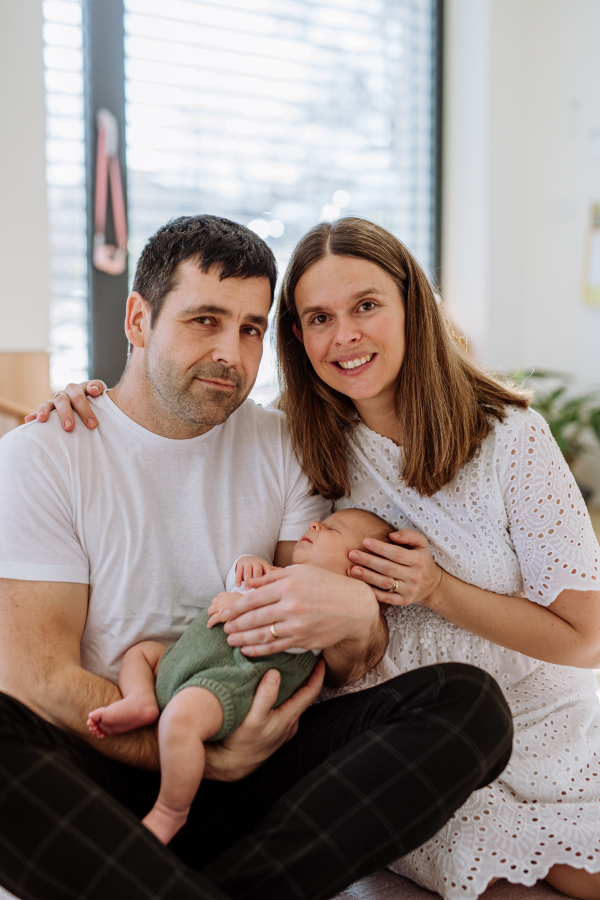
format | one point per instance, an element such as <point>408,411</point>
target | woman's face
<point>352,327</point>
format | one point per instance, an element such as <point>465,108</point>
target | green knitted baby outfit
<point>203,658</point>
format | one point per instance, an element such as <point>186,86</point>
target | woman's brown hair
<point>445,402</point>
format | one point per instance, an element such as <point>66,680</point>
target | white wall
<point>24,251</point>
<point>521,170</point>
<point>465,176</point>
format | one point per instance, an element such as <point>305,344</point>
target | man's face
<point>203,354</point>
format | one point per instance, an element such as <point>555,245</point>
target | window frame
<point>104,87</point>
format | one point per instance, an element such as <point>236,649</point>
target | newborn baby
<point>202,688</point>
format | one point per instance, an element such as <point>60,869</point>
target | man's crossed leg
<point>367,778</point>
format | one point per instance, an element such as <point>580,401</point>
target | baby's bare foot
<point>164,823</point>
<point>124,715</point>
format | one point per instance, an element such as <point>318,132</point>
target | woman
<point>501,521</point>
<point>495,562</point>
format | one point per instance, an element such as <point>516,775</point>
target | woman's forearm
<point>515,623</point>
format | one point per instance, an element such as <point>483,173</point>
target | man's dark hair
<point>206,239</point>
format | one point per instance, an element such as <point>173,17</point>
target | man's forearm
<point>69,694</point>
<point>40,644</point>
<point>349,660</point>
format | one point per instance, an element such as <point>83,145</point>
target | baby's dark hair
<point>386,528</point>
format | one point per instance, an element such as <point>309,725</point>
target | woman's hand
<point>410,564</point>
<point>307,607</point>
<point>72,398</point>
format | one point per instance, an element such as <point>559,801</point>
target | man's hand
<point>263,730</point>
<point>312,608</point>
<point>309,607</point>
<point>41,626</point>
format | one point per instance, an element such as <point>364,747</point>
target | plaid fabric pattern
<point>368,777</point>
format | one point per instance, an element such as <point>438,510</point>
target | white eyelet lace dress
<point>513,522</point>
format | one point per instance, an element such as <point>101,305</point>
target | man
<point>122,533</point>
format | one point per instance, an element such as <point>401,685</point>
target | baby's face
<point>327,544</point>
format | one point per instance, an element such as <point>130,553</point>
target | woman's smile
<point>352,327</point>
<point>355,363</point>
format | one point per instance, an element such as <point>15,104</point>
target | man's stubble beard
<point>187,399</point>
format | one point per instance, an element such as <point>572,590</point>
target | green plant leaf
<point>572,419</point>
<point>595,422</point>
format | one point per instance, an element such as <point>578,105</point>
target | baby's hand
<point>251,567</point>
<point>218,606</point>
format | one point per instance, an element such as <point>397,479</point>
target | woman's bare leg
<point>191,717</point>
<point>137,681</point>
<point>574,882</point>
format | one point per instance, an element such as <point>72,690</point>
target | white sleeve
<point>548,520</point>
<point>301,506</point>
<point>37,535</point>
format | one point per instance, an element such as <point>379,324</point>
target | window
<point>65,173</point>
<point>279,113</point>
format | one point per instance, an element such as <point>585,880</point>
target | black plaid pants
<point>367,778</point>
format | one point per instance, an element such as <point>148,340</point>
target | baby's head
<point>327,544</point>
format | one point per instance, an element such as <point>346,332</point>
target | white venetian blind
<point>65,172</point>
<point>279,113</point>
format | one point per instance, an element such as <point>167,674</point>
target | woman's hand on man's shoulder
<point>72,399</point>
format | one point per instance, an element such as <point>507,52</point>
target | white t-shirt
<point>150,523</point>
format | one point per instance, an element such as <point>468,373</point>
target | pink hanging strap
<point>107,257</point>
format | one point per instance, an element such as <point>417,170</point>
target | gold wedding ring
<point>273,632</point>
<point>57,394</point>
<point>394,587</point>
